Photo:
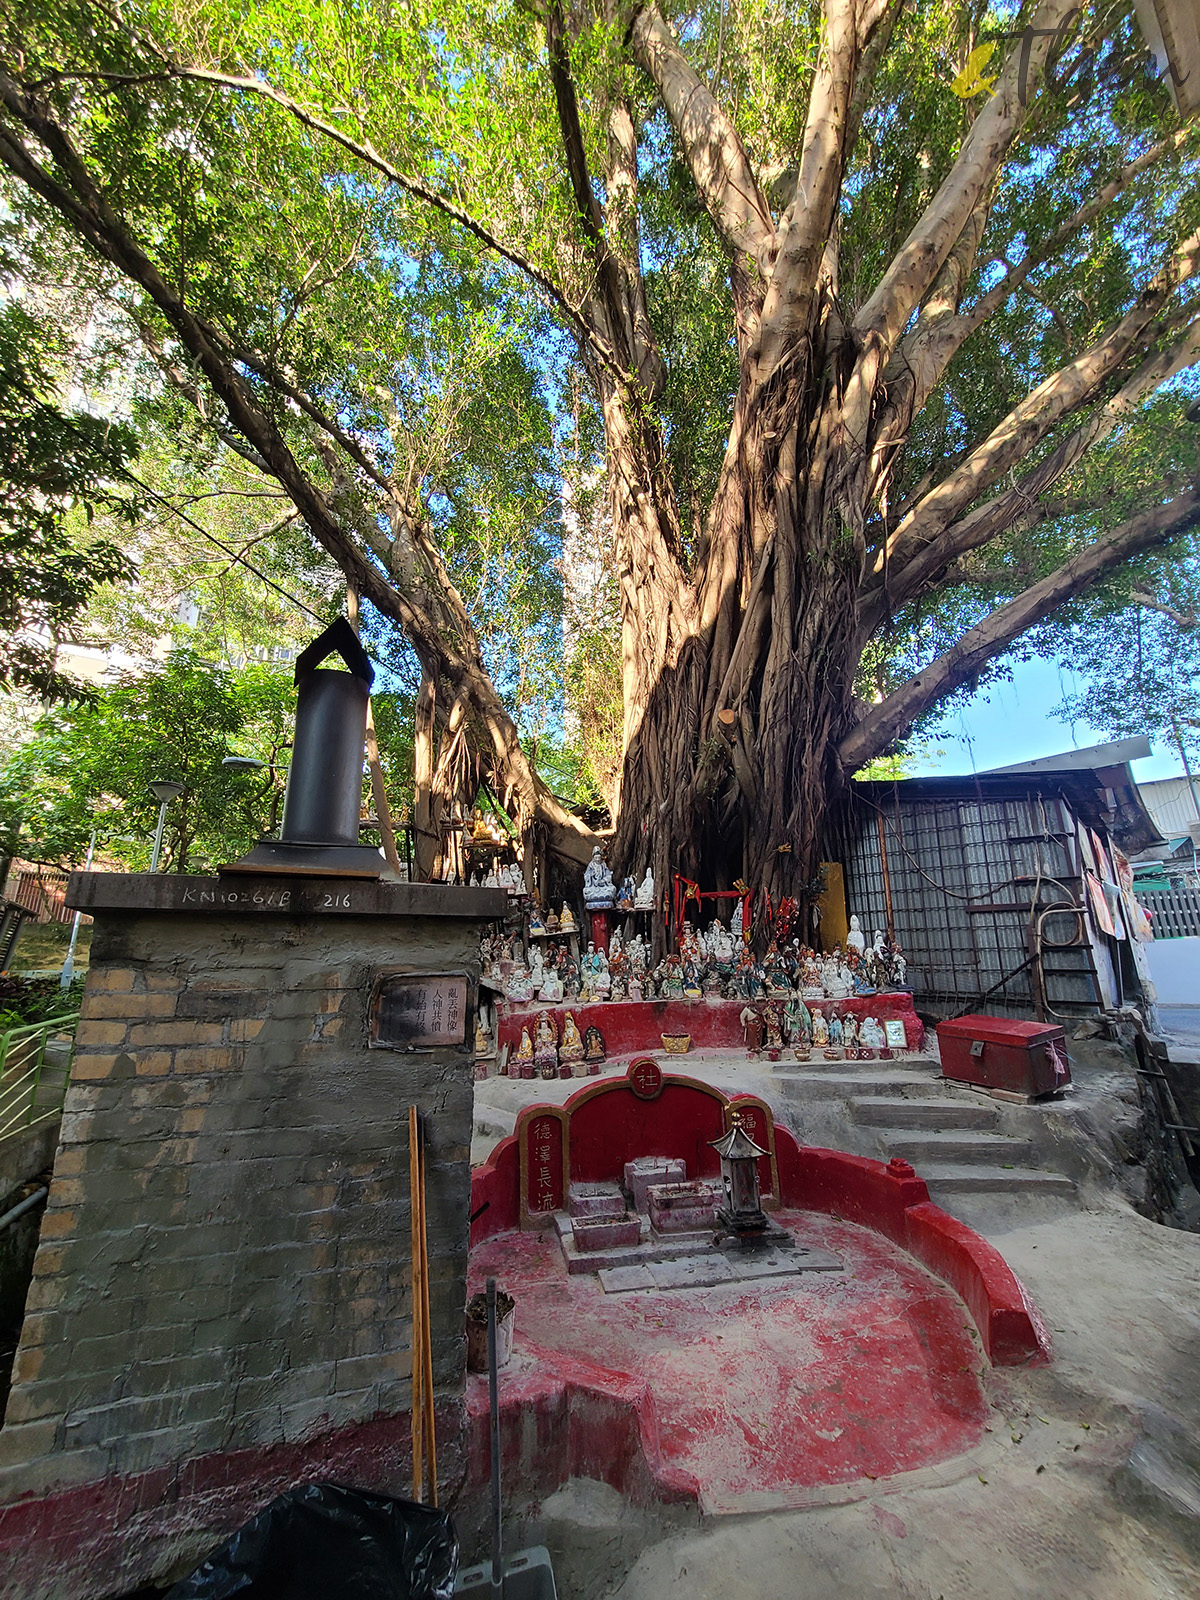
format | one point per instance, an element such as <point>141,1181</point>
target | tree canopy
<point>839,344</point>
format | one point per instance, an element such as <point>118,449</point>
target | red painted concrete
<point>104,1538</point>
<point>609,1125</point>
<point>630,1026</point>
<point>731,1392</point>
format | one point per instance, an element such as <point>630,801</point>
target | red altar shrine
<point>753,1396</point>
<point>632,1026</point>
<point>651,1113</point>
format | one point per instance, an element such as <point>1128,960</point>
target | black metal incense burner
<point>323,801</point>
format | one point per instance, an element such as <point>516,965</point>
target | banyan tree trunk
<point>732,767</point>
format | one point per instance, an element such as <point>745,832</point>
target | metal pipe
<point>494,1420</point>
<point>158,833</point>
<point>22,1206</point>
<point>68,971</point>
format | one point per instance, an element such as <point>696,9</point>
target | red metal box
<point>1000,1053</point>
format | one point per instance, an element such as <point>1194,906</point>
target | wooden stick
<point>415,1190</point>
<point>427,1352</point>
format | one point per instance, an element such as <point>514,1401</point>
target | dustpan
<point>527,1575</point>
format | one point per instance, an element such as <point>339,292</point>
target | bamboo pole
<point>415,1189</point>
<point>430,1451</point>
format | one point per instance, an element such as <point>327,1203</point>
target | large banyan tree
<point>881,305</point>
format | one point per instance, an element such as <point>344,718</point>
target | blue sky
<point>1009,722</point>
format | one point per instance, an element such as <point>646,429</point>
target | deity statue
<point>593,1045</point>
<point>837,1034</point>
<point>850,1029</point>
<point>712,988</point>
<point>811,987</point>
<point>644,899</point>
<point>736,931</point>
<point>601,977</point>
<point>636,987</point>
<point>870,1034</point>
<point>518,988</point>
<point>689,945</point>
<point>571,1048</point>
<point>855,939</point>
<point>772,1023</point>
<point>545,1046</point>
<point>599,891</point>
<point>753,1029</point>
<point>552,921</point>
<point>625,900</point>
<point>536,967</point>
<point>536,925</point>
<point>619,989</point>
<point>567,923</point>
<point>635,950</point>
<point>524,1057</point>
<point>879,948</point>
<point>899,966</point>
<point>551,991</point>
<point>691,980</point>
<point>799,1020</point>
<point>720,945</point>
<point>820,1028</point>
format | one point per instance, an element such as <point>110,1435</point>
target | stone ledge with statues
<point>631,1027</point>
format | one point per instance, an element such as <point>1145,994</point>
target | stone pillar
<point>223,1272</point>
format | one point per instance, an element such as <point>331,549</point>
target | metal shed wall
<point>954,867</point>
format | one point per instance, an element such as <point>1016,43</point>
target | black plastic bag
<point>322,1542</point>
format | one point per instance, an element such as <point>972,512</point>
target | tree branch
<point>366,152</point>
<point>929,349</point>
<point>712,147</point>
<point>915,267</point>
<point>888,720</point>
<point>804,229</point>
<point>909,557</point>
<point>85,206</point>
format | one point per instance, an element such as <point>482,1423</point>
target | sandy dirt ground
<point>1086,1484</point>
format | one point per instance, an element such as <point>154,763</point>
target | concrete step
<point>494,1122</point>
<point>843,1085</point>
<point>930,1149</point>
<point>950,1178</point>
<point>882,1111</point>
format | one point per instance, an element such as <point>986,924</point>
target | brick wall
<point>224,1262</point>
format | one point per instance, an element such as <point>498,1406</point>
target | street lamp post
<point>164,792</point>
<point>68,971</point>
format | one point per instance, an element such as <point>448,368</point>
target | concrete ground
<point>1181,1024</point>
<point>1087,1484</point>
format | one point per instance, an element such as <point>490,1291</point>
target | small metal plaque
<point>419,1010</point>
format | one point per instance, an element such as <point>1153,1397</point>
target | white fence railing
<point>35,1064</point>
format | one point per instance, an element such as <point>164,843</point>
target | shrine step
<point>844,1085</point>
<point>880,1111</point>
<point>493,1122</point>
<point>954,1179</point>
<point>936,1149</point>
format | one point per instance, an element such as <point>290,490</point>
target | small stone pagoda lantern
<point>742,1212</point>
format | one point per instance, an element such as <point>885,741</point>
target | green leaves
<point>58,469</point>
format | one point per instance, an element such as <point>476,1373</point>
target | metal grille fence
<point>1174,913</point>
<point>956,878</point>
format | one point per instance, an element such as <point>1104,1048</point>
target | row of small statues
<point>546,1056</point>
<point>794,1024</point>
<point>709,965</point>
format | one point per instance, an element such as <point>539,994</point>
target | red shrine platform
<point>631,1026</point>
<point>741,1396</point>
